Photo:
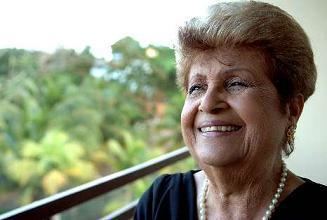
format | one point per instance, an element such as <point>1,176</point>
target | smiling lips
<point>219,128</point>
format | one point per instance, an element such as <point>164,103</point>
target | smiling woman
<point>246,68</point>
<point>229,90</point>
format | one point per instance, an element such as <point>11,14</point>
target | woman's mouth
<point>219,128</point>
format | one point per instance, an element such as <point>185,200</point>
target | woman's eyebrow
<point>235,69</point>
<point>198,76</point>
<point>201,76</point>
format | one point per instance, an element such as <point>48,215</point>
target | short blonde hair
<point>256,25</point>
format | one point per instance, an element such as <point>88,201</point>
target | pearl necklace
<point>270,209</point>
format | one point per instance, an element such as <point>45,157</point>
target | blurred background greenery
<point>67,118</point>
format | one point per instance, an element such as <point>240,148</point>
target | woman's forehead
<point>228,60</point>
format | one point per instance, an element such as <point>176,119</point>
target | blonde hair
<point>257,25</point>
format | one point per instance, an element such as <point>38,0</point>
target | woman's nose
<point>212,102</point>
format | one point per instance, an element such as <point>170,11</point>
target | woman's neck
<point>239,179</point>
<point>241,191</point>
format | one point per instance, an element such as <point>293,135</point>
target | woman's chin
<point>216,160</point>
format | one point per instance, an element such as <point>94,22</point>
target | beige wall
<point>310,156</point>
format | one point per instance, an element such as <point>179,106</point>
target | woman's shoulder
<point>314,185</point>
<point>308,201</point>
<point>174,180</point>
<point>311,190</point>
<point>169,195</point>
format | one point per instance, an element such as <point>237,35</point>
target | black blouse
<point>173,197</point>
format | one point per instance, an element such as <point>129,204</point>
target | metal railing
<point>48,207</point>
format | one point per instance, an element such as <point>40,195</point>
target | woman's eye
<point>236,85</point>
<point>194,88</point>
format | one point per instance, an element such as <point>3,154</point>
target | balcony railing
<point>48,207</point>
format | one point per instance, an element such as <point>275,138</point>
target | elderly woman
<point>247,69</point>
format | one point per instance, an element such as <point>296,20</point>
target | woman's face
<point>232,111</point>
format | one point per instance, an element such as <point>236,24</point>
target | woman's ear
<point>295,107</point>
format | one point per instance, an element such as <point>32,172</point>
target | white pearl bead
<point>274,201</point>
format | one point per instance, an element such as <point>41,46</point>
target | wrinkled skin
<point>231,87</point>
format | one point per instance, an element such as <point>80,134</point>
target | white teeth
<point>222,128</point>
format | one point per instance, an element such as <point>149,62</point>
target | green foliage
<point>129,152</point>
<point>15,61</point>
<point>69,61</point>
<point>148,71</point>
<point>48,165</point>
<point>60,127</point>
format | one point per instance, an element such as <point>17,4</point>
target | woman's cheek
<point>187,122</point>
